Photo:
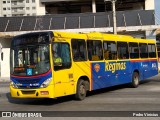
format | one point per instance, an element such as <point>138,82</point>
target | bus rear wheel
<point>81,90</point>
<point>135,80</point>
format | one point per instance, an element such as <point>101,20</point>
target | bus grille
<point>28,81</point>
<point>28,92</point>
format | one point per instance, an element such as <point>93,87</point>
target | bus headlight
<point>46,83</point>
<point>13,84</point>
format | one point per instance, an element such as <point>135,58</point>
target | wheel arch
<point>136,70</point>
<point>86,79</point>
<point>135,79</point>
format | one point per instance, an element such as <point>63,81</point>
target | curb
<point>5,79</point>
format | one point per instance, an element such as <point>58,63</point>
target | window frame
<point>56,68</point>
<point>151,53</point>
<point>27,1</point>
<point>85,50</point>
<point>118,51</point>
<point>96,55</point>
<point>4,2</point>
<point>142,53</point>
<point>110,53</point>
<point>134,52</point>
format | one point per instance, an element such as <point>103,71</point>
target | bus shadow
<point>109,89</point>
<point>47,101</point>
<point>34,101</point>
<point>117,87</point>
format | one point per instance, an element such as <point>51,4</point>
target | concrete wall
<point>29,8</point>
<point>36,8</point>
<point>6,12</point>
<point>5,65</point>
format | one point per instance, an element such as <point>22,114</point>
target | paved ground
<point>120,98</point>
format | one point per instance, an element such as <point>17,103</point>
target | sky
<point>157,11</point>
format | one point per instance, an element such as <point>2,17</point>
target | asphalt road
<point>120,98</point>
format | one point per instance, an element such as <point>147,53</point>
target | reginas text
<point>115,66</point>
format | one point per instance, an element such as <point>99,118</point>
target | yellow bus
<point>53,64</point>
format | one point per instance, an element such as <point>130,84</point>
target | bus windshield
<point>28,58</point>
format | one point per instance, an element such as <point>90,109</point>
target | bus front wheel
<point>135,80</point>
<point>81,90</point>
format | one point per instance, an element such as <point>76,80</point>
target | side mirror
<point>2,56</point>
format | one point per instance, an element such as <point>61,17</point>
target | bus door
<point>63,72</point>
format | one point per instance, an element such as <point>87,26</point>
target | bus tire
<point>135,80</point>
<point>81,90</point>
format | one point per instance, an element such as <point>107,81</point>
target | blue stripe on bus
<point>106,74</point>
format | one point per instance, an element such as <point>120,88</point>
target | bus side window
<point>143,50</point>
<point>134,50</point>
<point>78,49</point>
<point>123,52</point>
<point>110,50</point>
<point>61,59</point>
<point>94,50</point>
<point>152,50</point>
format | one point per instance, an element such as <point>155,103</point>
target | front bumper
<point>33,93</point>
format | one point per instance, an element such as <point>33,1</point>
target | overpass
<point>127,21</point>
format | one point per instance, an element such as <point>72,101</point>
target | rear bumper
<point>33,93</point>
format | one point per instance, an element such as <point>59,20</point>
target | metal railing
<point>77,21</point>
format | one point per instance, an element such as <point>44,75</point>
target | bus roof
<point>69,35</point>
<point>101,36</point>
<point>95,36</point>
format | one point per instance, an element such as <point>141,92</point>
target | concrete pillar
<point>5,65</point>
<point>1,8</point>
<point>40,8</point>
<point>94,6</point>
<point>149,4</point>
